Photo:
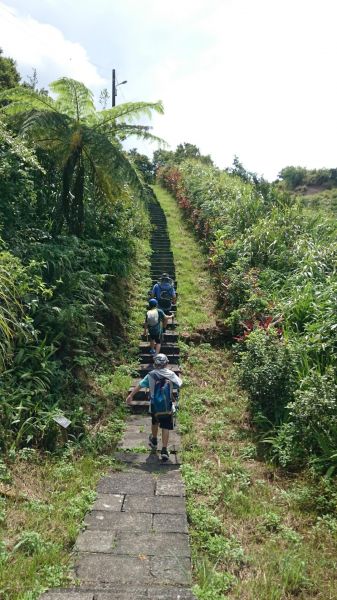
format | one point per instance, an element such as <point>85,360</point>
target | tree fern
<point>84,141</point>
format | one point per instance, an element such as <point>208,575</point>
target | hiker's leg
<point>152,344</point>
<point>154,429</point>
<point>158,346</point>
<point>165,437</point>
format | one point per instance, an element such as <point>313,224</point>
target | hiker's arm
<point>145,327</point>
<point>132,394</point>
<point>144,383</point>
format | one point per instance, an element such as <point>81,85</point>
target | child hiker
<point>161,382</point>
<point>155,324</point>
<point>164,293</point>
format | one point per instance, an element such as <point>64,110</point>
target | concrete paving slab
<point>112,569</point>
<point>138,420</point>
<point>114,521</point>
<point>64,594</point>
<point>112,502</point>
<point>125,593</point>
<point>170,523</point>
<point>127,483</point>
<point>132,458</point>
<point>134,440</point>
<point>166,487</point>
<point>168,593</point>
<point>152,544</point>
<point>151,458</point>
<point>140,593</point>
<point>96,541</point>
<point>169,570</point>
<point>154,504</point>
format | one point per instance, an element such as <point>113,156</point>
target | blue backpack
<point>161,400</point>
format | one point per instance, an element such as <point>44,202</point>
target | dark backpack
<point>166,293</point>
<point>161,400</point>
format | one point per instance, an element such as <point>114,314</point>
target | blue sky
<point>254,78</point>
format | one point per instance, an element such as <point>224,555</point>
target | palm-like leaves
<point>83,139</point>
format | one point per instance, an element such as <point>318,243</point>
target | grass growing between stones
<point>256,532</point>
<point>44,496</point>
<point>196,297</point>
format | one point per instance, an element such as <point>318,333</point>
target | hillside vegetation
<point>72,209</point>
<point>256,529</point>
<point>275,271</point>
<point>74,271</point>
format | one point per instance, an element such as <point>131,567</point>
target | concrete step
<point>120,592</point>
<point>145,367</point>
<point>173,358</point>
<point>161,243</point>
<point>160,256</point>
<point>160,246</point>
<point>166,347</point>
<point>161,262</point>
<point>168,336</point>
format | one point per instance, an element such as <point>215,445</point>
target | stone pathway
<point>134,545</point>
<point>135,542</point>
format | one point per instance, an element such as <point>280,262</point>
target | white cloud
<point>42,46</point>
<point>263,88</point>
<point>249,77</point>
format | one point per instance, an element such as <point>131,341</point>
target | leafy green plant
<point>30,542</point>
<point>267,372</point>
<point>212,584</point>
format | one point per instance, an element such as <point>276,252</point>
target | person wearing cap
<point>165,422</point>
<point>164,292</point>
<point>155,322</point>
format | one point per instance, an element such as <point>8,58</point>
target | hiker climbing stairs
<point>134,544</point>
<point>161,262</point>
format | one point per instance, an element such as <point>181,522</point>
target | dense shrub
<point>299,176</point>
<point>63,299</point>
<point>275,266</point>
<point>267,373</point>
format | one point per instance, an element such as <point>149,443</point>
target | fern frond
<point>22,99</point>
<point>110,164</point>
<point>74,99</point>
<point>129,111</point>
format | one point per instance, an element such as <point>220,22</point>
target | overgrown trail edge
<point>134,545</point>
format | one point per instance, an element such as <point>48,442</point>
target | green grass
<point>257,533</point>
<point>324,201</point>
<point>43,507</point>
<point>196,296</point>
<point>44,497</point>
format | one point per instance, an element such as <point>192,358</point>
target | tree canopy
<point>85,142</point>
<point>9,75</point>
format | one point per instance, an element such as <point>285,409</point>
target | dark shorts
<point>155,334</point>
<point>164,422</point>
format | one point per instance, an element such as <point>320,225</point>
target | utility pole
<point>114,88</point>
<point>114,91</point>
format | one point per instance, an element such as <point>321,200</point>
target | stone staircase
<point>135,545</point>
<point>161,262</point>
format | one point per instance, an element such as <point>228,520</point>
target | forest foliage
<point>72,207</point>
<point>275,269</point>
